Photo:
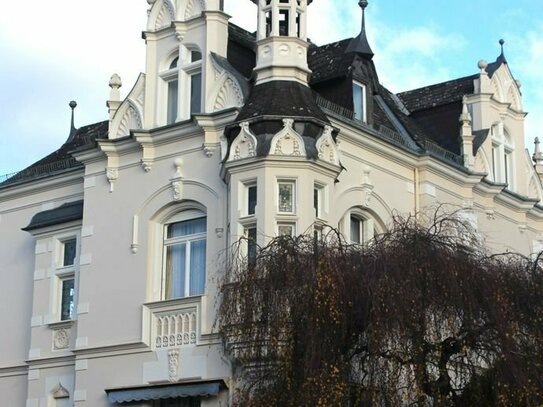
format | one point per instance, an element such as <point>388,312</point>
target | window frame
<point>186,215</point>
<point>294,193</point>
<point>364,99</point>
<point>65,272</point>
<point>189,65</point>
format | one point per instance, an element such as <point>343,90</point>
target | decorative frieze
<point>174,329</point>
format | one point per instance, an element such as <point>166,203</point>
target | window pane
<point>195,56</point>
<point>286,197</point>
<point>67,300</point>
<point>356,224</point>
<point>175,271</point>
<point>187,228</point>
<point>285,230</point>
<point>316,194</point>
<point>70,247</point>
<point>358,102</point>
<point>251,244</point>
<point>195,93</point>
<point>197,267</point>
<point>173,91</point>
<point>174,63</point>
<point>251,200</point>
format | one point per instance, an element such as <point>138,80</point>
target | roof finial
<point>502,41</point>
<point>360,45</point>
<point>538,156</point>
<point>73,105</point>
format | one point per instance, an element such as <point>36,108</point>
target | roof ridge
<point>436,85</point>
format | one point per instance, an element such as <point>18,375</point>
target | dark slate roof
<point>329,61</point>
<point>68,212</point>
<point>61,159</point>
<point>241,50</point>
<point>493,67</point>
<point>281,99</point>
<point>439,94</point>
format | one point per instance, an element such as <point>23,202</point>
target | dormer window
<point>184,86</point>
<point>502,157</point>
<point>359,101</point>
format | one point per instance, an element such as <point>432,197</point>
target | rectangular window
<point>185,258</point>
<point>250,234</point>
<point>356,226</point>
<point>67,304</point>
<point>251,199</point>
<point>318,199</point>
<point>69,250</point>
<point>195,93</point>
<point>359,101</point>
<point>286,196</point>
<point>495,164</point>
<point>507,169</point>
<point>173,92</point>
<point>286,229</point>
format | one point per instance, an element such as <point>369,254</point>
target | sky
<point>52,53</point>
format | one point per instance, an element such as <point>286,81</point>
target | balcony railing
<point>175,329</point>
<point>173,323</point>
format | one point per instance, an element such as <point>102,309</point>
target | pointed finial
<point>538,156</point>
<point>73,105</point>
<point>502,41</point>
<point>465,117</point>
<point>360,44</point>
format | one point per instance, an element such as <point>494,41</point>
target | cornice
<point>15,370</point>
<point>42,184</point>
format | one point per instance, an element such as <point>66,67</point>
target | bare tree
<point>422,316</point>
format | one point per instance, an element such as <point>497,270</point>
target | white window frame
<point>320,190</point>
<point>368,226</point>
<point>291,225</point>
<point>503,157</point>
<point>364,112</point>
<point>243,196</point>
<point>183,73</point>
<point>63,273</point>
<point>182,216</point>
<point>293,183</point>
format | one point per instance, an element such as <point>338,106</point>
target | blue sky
<point>52,54</point>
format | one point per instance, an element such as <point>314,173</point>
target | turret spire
<point>360,44</point>
<point>73,130</point>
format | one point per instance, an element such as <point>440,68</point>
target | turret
<point>282,41</point>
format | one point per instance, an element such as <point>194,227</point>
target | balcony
<point>174,323</point>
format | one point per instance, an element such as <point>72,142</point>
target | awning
<point>170,391</point>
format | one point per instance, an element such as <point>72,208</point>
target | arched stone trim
<point>327,148</point>
<point>226,93</point>
<point>244,145</point>
<point>129,116</point>
<point>288,142</point>
<point>161,16</point>
<point>187,9</point>
<point>514,98</point>
<point>497,89</point>
<point>481,164</point>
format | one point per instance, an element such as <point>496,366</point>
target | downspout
<point>416,182</point>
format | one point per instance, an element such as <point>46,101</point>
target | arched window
<point>184,264</point>
<point>359,226</point>
<point>183,77</point>
<point>503,163</point>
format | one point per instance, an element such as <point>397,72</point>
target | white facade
<point>140,316</point>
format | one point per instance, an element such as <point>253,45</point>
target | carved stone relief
<point>288,141</point>
<point>173,365</point>
<point>244,146</point>
<point>61,339</point>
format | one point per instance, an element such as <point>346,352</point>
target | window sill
<point>61,324</point>
<point>175,303</point>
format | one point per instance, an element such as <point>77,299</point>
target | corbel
<point>177,180</point>
<point>148,150</point>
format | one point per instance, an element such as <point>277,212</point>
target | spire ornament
<point>73,130</point>
<point>360,44</point>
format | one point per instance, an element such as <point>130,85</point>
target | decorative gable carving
<point>60,392</point>
<point>244,145</point>
<point>161,16</point>
<point>226,92</point>
<point>194,8</point>
<point>288,142</point>
<point>229,95</point>
<point>129,116</point>
<point>327,147</point>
